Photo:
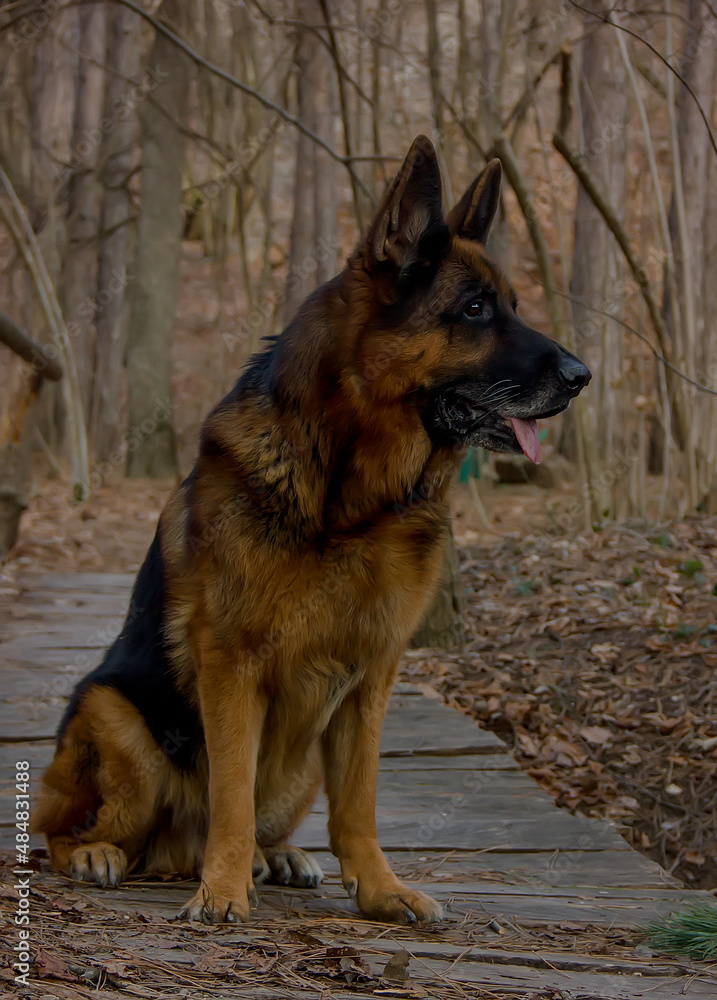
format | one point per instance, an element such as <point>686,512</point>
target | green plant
<point>692,569</point>
<point>692,932</point>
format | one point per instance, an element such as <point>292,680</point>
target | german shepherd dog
<point>291,567</point>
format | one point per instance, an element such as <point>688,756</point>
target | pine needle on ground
<point>692,932</point>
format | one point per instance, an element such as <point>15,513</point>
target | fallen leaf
<point>52,967</point>
<point>396,969</point>
<point>115,968</point>
<point>605,652</point>
<point>598,735</point>
<point>527,744</point>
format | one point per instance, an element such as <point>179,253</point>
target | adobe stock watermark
<point>23,874</point>
<point>29,26</point>
<point>377,22</point>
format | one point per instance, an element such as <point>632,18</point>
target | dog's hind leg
<point>285,792</point>
<point>291,866</point>
<point>99,795</point>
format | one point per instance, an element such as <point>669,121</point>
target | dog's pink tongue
<point>526,432</point>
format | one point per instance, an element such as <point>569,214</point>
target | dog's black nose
<point>573,373</point>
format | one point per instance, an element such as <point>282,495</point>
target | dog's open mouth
<point>488,429</point>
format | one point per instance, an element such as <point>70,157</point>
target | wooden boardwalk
<point>531,893</point>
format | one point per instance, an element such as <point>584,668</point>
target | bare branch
<point>22,344</point>
<point>646,340</point>
<point>504,151</point>
<point>590,185</point>
<point>26,242</point>
<point>246,89</point>
<point>608,20</point>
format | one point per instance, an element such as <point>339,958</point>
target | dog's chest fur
<point>311,619</point>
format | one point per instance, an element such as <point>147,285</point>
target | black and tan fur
<point>292,566</point>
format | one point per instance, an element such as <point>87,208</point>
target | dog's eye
<point>478,309</point>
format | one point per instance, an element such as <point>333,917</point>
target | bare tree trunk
<point>602,118</point>
<point>689,211</point>
<point>15,455</point>
<point>155,289</point>
<point>442,625</point>
<point>298,282</point>
<point>434,67</point>
<point>697,69</point>
<point>709,299</point>
<point>52,111</point>
<point>379,177</point>
<point>119,155</point>
<point>52,104</point>
<point>312,252</point>
<point>83,199</point>
<point>492,42</point>
<point>16,425</point>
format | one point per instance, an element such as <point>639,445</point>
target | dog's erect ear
<point>408,228</point>
<point>473,216</point>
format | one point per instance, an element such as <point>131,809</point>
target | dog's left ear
<point>408,228</point>
<point>473,216</point>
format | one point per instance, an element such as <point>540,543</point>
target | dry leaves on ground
<point>595,657</point>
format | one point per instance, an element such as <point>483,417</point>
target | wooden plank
<point>585,985</point>
<point>554,910</point>
<point>30,602</point>
<point>378,951</point>
<point>39,756</point>
<point>19,682</point>
<point>475,782</point>
<point>538,959</point>
<point>86,582</point>
<point>91,636</point>
<point>413,724</point>
<point>24,620</point>
<point>28,720</point>
<point>37,661</point>
<point>617,896</point>
<point>93,614</point>
<point>431,830</point>
<point>574,868</point>
<point>508,906</point>
<point>571,975</point>
<point>476,761</point>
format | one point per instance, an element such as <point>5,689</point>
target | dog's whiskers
<point>501,402</point>
<point>493,395</point>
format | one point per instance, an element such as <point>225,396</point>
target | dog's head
<point>442,328</point>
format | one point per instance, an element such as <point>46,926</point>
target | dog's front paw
<point>102,863</point>
<point>399,905</point>
<point>209,907</point>
<point>291,866</point>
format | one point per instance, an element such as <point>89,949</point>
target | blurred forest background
<point>176,175</point>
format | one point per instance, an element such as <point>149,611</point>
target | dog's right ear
<point>473,216</point>
<point>408,231</point>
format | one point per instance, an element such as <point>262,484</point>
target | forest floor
<point>594,655</point>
